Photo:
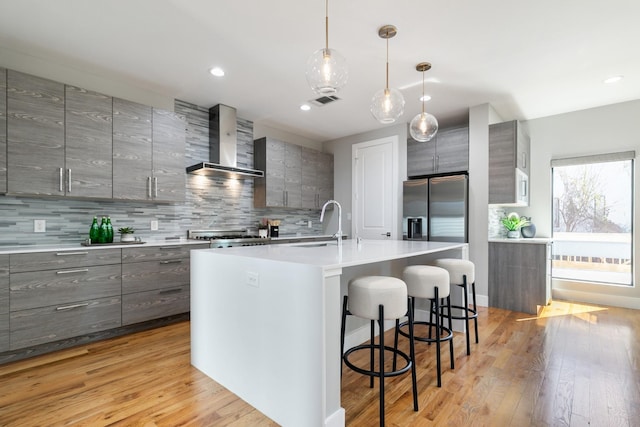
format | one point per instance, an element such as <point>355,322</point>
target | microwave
<point>522,188</point>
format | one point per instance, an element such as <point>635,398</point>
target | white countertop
<point>329,256</point>
<point>78,246</point>
<point>535,240</point>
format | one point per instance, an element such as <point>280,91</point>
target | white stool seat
<point>457,268</point>
<point>367,293</point>
<point>422,280</point>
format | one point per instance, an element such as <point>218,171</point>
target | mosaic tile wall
<point>211,202</point>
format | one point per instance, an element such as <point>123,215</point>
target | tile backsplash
<point>211,202</point>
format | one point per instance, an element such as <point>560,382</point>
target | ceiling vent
<point>324,100</point>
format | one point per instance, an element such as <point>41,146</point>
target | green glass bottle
<point>94,230</point>
<point>109,230</point>
<point>102,236</point>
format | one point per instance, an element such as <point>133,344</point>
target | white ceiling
<point>528,59</point>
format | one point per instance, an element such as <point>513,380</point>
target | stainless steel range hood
<point>223,144</point>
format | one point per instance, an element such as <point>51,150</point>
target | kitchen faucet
<point>338,234</point>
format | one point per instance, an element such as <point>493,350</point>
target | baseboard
<point>596,298</point>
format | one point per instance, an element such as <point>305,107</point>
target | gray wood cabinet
<point>508,164</point>
<point>295,176</point>
<point>519,276</point>
<point>132,150</point>
<point>447,152</point>
<point>52,323</point>
<point>59,295</point>
<point>317,178</point>
<point>169,178</point>
<point>35,135</point>
<point>3,130</point>
<point>155,282</point>
<point>88,143</point>
<point>4,303</point>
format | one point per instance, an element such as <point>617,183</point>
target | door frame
<point>395,191</point>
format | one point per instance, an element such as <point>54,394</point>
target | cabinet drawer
<point>151,275</point>
<point>63,259</point>
<point>42,288</point>
<point>4,287</point>
<point>4,332</point>
<point>154,253</point>
<point>47,324</point>
<point>143,306</point>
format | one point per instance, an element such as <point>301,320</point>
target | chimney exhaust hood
<point>223,147</point>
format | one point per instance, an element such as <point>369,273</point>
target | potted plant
<point>513,222</point>
<point>126,234</point>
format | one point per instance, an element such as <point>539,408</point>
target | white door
<point>375,188</point>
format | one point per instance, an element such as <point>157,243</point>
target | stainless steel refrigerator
<point>436,209</point>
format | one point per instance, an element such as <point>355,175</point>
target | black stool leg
<point>381,324</point>
<point>450,328</point>
<point>438,334</point>
<point>371,356</point>
<point>466,312</point>
<point>412,354</point>
<point>475,309</point>
<point>342,330</point>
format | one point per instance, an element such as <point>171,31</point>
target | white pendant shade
<point>387,105</point>
<point>423,127</point>
<point>327,71</point>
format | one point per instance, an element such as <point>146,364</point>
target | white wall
<point>599,130</point>
<point>342,167</point>
<point>86,77</point>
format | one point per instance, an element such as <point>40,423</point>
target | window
<point>593,219</point>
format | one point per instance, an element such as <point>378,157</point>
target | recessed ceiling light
<point>217,71</point>
<point>305,107</point>
<point>425,98</point>
<point>613,79</point>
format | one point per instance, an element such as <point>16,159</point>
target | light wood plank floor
<point>575,365</point>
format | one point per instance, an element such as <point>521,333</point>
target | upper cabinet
<point>148,153</point>
<point>132,150</point>
<point>3,130</point>
<point>509,151</point>
<point>169,135</point>
<point>317,178</point>
<point>295,176</point>
<point>35,135</point>
<point>88,148</point>
<point>58,140</point>
<point>447,152</point>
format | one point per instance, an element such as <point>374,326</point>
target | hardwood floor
<point>575,365</point>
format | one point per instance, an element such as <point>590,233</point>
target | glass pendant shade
<point>387,105</point>
<point>423,127</point>
<point>327,71</point>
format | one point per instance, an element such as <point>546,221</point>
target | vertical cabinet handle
<point>524,160</point>
<point>437,163</point>
<point>69,180</point>
<point>284,198</point>
<point>155,186</point>
<point>60,179</point>
<point>149,186</point>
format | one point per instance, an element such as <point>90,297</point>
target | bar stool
<point>432,283</point>
<point>461,273</point>
<point>379,298</point>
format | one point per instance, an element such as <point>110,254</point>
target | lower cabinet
<point>518,276</point>
<point>53,323</point>
<point>59,295</point>
<point>156,288</point>
<point>4,303</point>
<point>53,296</point>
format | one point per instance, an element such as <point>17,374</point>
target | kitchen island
<point>265,320</point>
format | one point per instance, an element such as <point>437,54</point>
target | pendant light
<point>424,126</point>
<point>327,70</point>
<point>387,104</point>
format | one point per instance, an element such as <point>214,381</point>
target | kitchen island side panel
<point>257,328</point>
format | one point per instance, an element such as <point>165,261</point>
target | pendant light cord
<point>423,101</point>
<point>326,24</point>
<point>387,80</point>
